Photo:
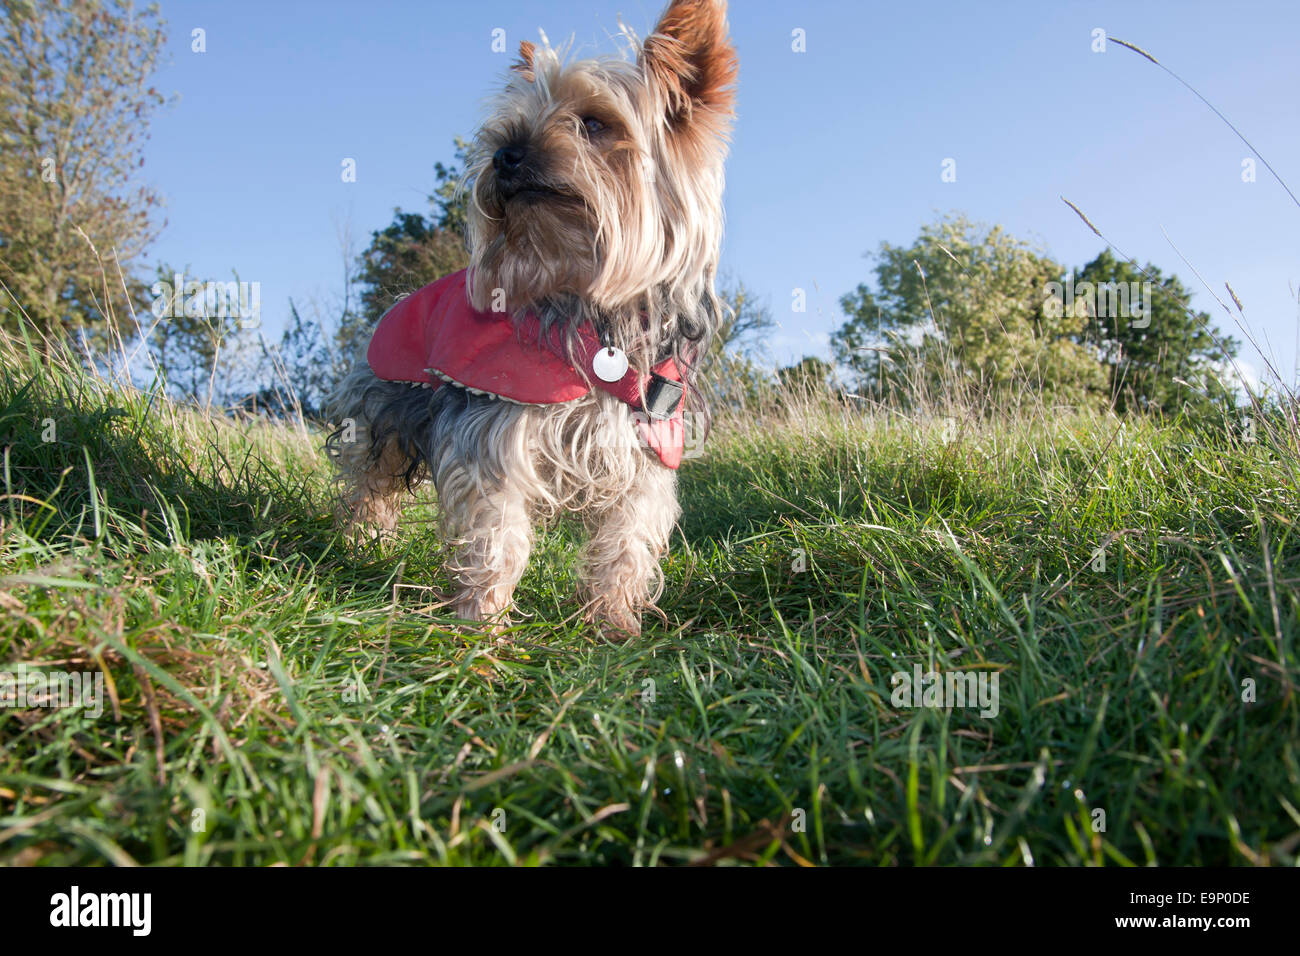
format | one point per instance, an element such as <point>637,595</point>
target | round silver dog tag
<point>609,364</point>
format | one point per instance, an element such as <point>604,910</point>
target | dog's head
<point>602,179</point>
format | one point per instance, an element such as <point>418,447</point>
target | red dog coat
<point>434,336</point>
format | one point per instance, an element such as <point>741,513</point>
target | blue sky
<point>836,148</point>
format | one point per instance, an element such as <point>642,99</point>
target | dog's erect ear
<point>691,58</point>
<point>525,65</point>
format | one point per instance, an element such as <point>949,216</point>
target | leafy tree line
<point>975,314</point>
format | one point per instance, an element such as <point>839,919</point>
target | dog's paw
<point>360,534</point>
<point>616,626</point>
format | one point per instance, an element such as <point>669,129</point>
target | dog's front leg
<point>620,564</point>
<point>491,533</point>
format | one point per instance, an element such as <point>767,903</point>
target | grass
<point>278,697</point>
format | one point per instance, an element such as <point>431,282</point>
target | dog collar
<point>434,336</point>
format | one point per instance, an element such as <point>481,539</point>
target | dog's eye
<point>592,125</point>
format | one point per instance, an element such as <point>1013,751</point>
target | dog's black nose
<point>508,159</point>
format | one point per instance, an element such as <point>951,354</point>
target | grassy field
<point>277,697</point>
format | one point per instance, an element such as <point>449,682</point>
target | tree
<point>744,323</point>
<point>1167,358</point>
<point>809,374</point>
<point>75,102</point>
<point>200,337</point>
<point>959,314</point>
<point>733,373</point>
<point>412,251</point>
<point>449,200</point>
<point>299,367</point>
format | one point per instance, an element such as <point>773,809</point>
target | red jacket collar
<point>434,336</point>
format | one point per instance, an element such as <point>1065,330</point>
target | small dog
<point>595,219</point>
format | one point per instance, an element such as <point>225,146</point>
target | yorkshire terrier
<point>556,369</point>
